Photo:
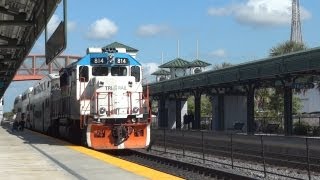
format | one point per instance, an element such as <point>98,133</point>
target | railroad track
<point>178,168</point>
<point>273,156</point>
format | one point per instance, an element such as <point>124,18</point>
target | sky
<point>233,31</point>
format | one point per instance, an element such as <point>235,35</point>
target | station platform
<point>30,155</point>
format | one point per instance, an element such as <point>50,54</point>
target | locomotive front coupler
<point>120,134</point>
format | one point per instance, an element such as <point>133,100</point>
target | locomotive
<point>97,101</point>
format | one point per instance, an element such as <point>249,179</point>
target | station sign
<point>56,43</point>
<point>302,85</point>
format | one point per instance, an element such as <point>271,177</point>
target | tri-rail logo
<point>115,88</point>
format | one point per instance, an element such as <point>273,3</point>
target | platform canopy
<point>199,63</point>
<point>115,45</point>
<point>176,63</point>
<point>269,72</point>
<point>21,23</point>
<point>161,72</point>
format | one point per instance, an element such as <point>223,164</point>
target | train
<point>97,101</point>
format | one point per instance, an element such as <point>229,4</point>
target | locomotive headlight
<point>102,110</point>
<point>134,120</point>
<point>135,110</point>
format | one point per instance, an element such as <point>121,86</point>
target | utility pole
<point>296,35</point>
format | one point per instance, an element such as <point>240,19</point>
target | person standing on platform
<point>22,122</point>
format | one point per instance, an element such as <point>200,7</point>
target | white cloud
<point>102,29</point>
<point>218,53</point>
<point>149,68</point>
<point>152,30</point>
<point>260,12</point>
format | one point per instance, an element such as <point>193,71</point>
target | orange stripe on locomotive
<point>101,137</point>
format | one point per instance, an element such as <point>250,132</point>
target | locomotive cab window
<point>83,74</point>
<point>119,71</point>
<point>100,71</point>
<point>135,71</point>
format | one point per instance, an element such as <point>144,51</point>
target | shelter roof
<point>120,45</point>
<point>161,72</point>
<point>176,63</point>
<point>199,63</point>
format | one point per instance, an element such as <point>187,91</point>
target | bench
<point>238,126</point>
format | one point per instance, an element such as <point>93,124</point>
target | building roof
<point>119,45</point>
<point>199,63</point>
<point>161,72</point>
<point>176,63</point>
<point>22,23</point>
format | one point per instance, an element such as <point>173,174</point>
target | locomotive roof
<point>87,58</point>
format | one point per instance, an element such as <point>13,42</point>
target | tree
<point>8,115</point>
<point>287,47</point>
<point>221,66</point>
<point>269,101</point>
<point>206,105</point>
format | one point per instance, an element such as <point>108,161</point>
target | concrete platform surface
<point>30,155</point>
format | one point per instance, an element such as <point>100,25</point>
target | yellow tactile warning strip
<point>128,166</point>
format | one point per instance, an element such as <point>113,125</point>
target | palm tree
<point>222,65</point>
<point>270,99</point>
<point>287,47</point>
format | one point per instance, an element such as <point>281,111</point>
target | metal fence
<point>301,153</point>
<point>262,124</point>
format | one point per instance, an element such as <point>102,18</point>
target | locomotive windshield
<point>83,74</point>
<point>135,71</point>
<point>119,71</point>
<point>100,71</point>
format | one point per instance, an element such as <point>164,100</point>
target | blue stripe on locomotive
<point>86,59</point>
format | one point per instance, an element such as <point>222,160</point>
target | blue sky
<point>233,31</point>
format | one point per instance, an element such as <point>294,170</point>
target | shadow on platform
<point>33,137</point>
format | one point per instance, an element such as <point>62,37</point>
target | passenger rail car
<point>17,107</point>
<point>97,101</point>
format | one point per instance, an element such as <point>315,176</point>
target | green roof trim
<point>199,63</point>
<point>161,72</point>
<point>119,45</point>
<point>176,63</point>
